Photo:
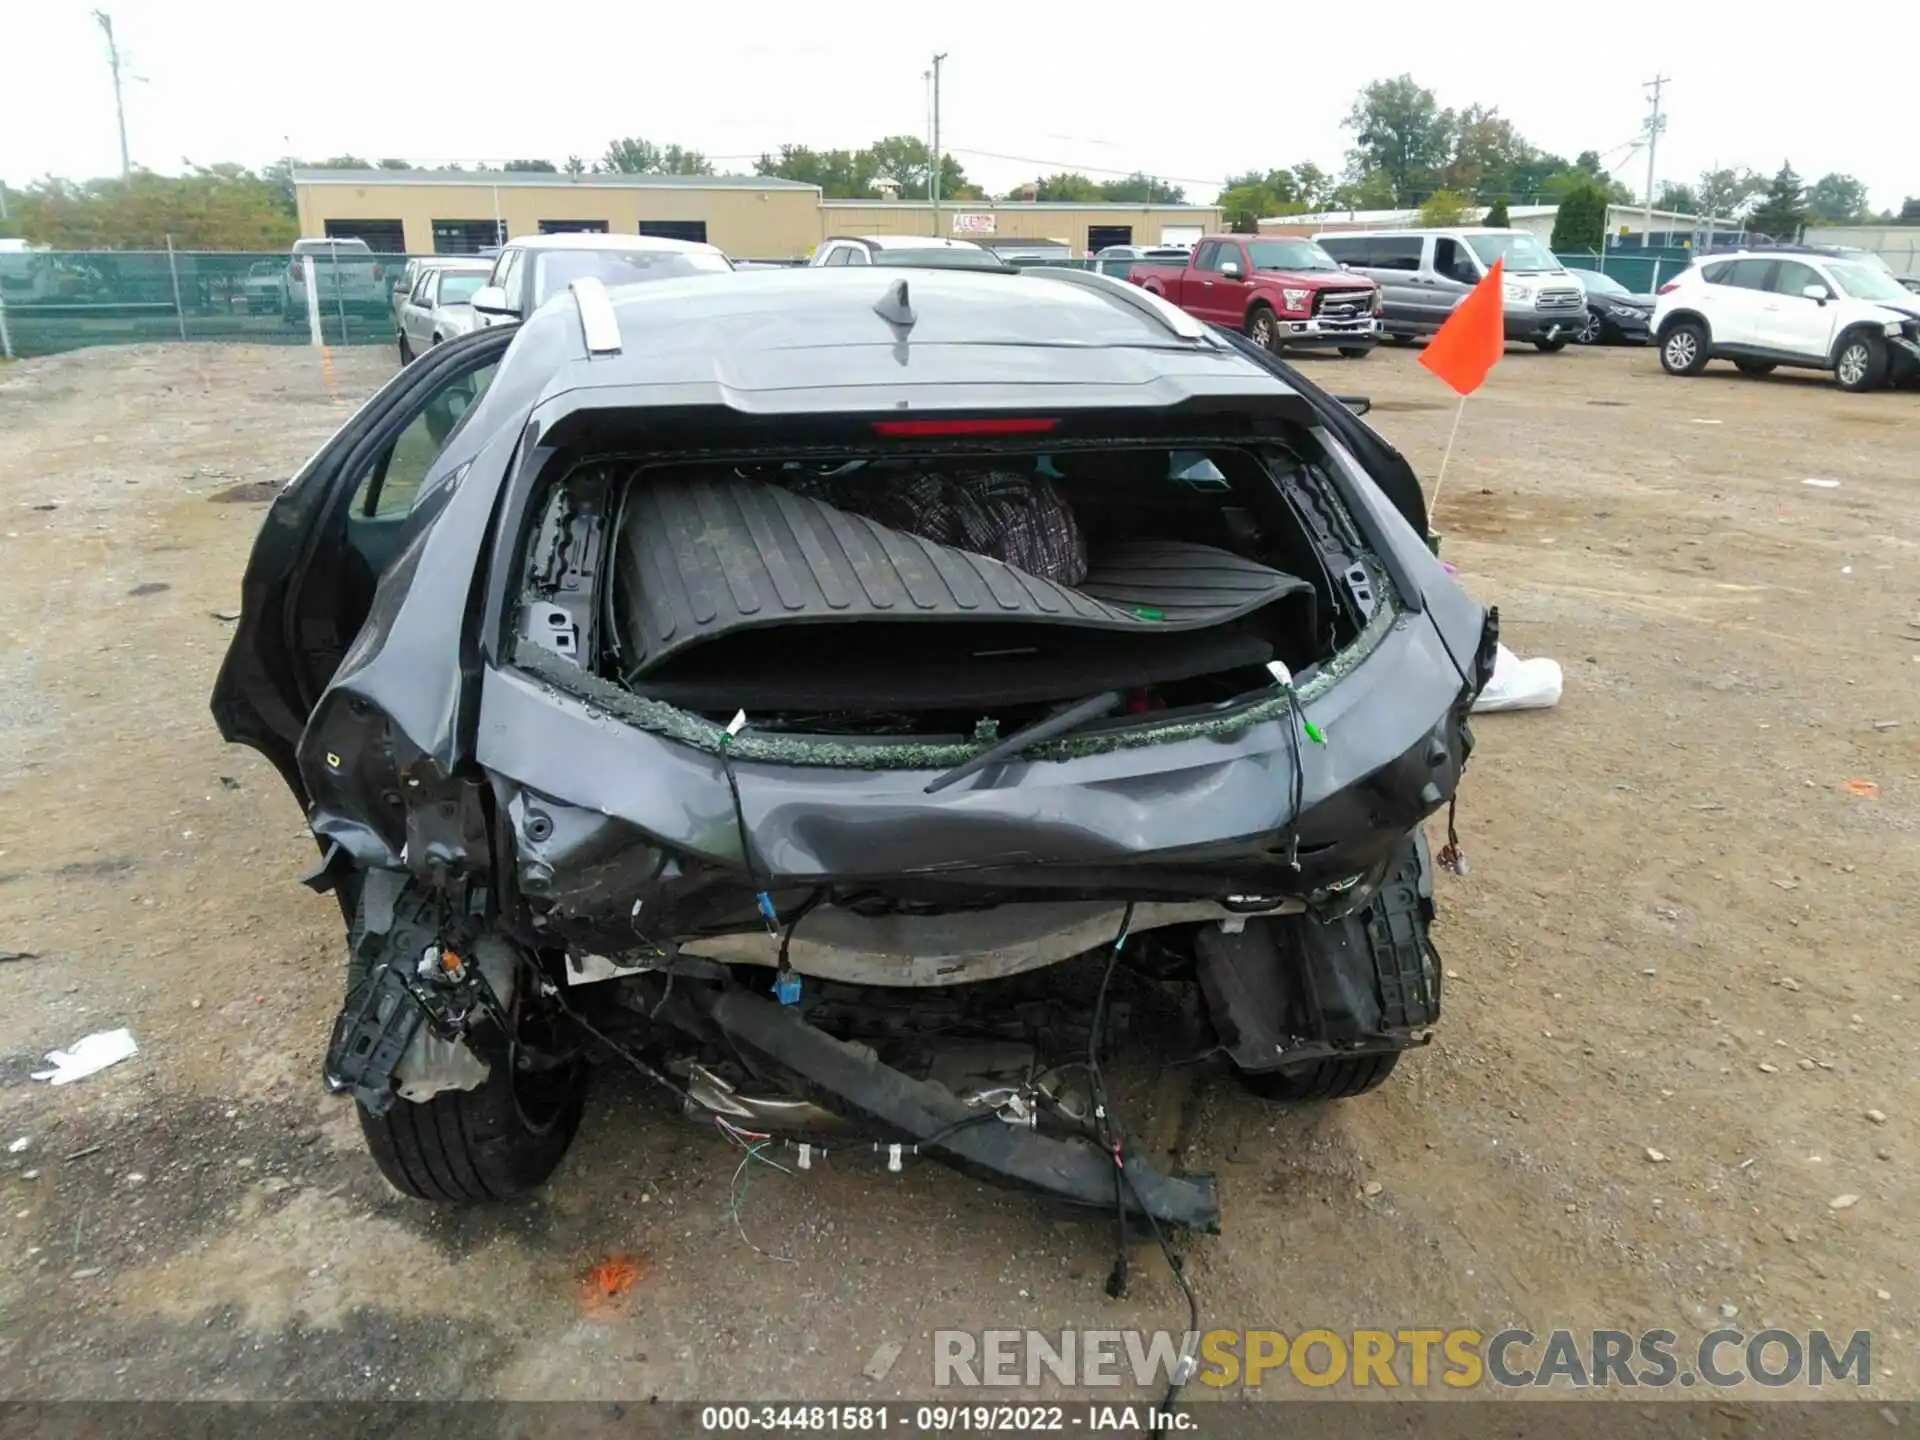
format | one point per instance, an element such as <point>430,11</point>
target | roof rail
<point>598,324</point>
<point>1169,317</point>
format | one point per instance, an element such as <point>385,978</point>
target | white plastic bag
<point>1520,684</point>
<point>90,1056</point>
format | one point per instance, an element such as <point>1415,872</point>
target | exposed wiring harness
<point>1123,1183</point>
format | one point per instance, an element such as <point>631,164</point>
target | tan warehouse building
<point>454,212</point>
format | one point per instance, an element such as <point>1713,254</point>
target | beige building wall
<point>750,223</point>
<point>744,220</point>
<point>1012,220</point>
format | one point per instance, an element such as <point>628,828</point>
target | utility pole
<point>933,179</point>
<point>105,22</point>
<point>1655,124</point>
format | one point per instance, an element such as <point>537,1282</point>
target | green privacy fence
<point>57,300</point>
<point>1642,271</point>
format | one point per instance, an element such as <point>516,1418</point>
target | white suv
<point>1761,309</point>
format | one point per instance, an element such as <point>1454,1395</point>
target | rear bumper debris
<point>850,1080</point>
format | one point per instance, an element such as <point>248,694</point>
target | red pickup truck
<point>1280,291</point>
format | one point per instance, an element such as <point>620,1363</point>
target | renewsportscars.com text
<point>1412,1358</point>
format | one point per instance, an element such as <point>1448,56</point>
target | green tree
<point>1719,191</point>
<point>575,166</point>
<point>840,174</point>
<point>1909,211</point>
<point>1312,186</point>
<point>1245,198</point>
<point>538,167</point>
<point>1141,188</point>
<point>1838,200</point>
<point>1400,132</point>
<point>635,156</point>
<point>393,163</point>
<point>1677,197</point>
<point>1783,214</point>
<point>906,160</point>
<point>1497,217</point>
<point>1581,223</point>
<point>1066,186</point>
<point>1446,207</point>
<point>1486,151</point>
<point>346,162</point>
<point>1373,191</point>
<point>223,207</point>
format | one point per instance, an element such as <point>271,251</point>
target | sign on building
<point>978,222</point>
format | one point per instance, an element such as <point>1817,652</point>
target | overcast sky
<point>1190,93</point>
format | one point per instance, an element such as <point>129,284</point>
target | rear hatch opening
<point>887,606</point>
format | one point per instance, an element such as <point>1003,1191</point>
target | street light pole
<point>933,182</point>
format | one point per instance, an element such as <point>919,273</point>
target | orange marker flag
<point>1473,339</point>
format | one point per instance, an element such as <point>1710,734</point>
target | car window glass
<point>1716,274</point>
<point>1343,248</point>
<point>1451,259</point>
<point>1749,274</point>
<point>856,254</point>
<point>1207,255</point>
<point>385,489</point>
<point>837,255</point>
<point>1394,252</point>
<point>423,288</point>
<point>1790,277</point>
<point>506,272</point>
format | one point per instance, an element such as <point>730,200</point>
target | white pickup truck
<point>345,275</point>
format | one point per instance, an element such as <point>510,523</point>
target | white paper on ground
<point>1520,684</point>
<point>89,1057</point>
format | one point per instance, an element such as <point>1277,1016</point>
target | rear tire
<point>1861,364</point>
<point>1755,368</point>
<point>1356,352</point>
<point>1549,347</point>
<point>406,351</point>
<point>1325,1079</point>
<point>1683,348</point>
<point>1593,331</point>
<point>1263,329</point>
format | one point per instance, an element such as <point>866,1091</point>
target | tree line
<point>1407,152</point>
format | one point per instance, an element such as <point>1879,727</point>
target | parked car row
<point>1760,307</point>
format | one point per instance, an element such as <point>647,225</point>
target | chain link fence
<point>57,300</point>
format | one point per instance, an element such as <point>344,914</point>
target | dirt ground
<point>1681,938</point>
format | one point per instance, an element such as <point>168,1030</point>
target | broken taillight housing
<point>1668,288</point>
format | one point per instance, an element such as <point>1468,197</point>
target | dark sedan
<point>1050,622</point>
<point>1615,315</point>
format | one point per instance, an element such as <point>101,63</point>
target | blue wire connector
<point>768,913</point>
<point>786,988</point>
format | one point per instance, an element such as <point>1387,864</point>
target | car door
<point>1734,300</point>
<point>1200,290</point>
<point>329,536</point>
<point>416,318</point>
<point>1447,276</point>
<point>1395,264</point>
<point>1791,322</point>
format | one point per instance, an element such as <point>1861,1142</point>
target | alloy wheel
<point>1852,368</point>
<point>1681,349</point>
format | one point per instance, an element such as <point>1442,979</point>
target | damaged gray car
<point>812,687</point>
